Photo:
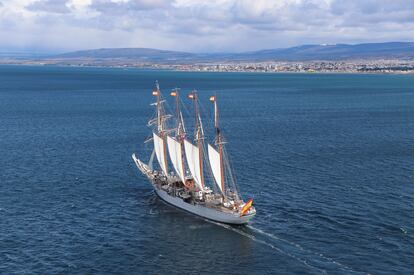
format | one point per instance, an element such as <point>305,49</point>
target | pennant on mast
<point>180,129</point>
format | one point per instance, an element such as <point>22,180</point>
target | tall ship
<point>200,180</point>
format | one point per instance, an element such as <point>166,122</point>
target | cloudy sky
<point>199,25</point>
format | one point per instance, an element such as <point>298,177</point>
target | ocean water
<point>328,159</point>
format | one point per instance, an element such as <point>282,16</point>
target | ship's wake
<point>313,261</point>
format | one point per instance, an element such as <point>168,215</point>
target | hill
<point>389,50</point>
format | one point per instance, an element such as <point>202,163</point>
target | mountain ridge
<point>307,52</point>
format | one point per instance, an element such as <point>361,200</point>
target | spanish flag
<point>173,94</point>
<point>191,96</point>
<point>246,207</point>
<point>155,93</point>
<point>212,98</point>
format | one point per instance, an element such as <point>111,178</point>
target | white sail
<point>151,160</point>
<point>193,159</point>
<point>214,158</point>
<point>160,152</point>
<point>174,149</point>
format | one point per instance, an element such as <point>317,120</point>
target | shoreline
<point>195,68</point>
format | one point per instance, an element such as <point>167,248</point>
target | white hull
<point>203,211</point>
<point>196,209</point>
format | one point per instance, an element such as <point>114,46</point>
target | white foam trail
<point>343,266</point>
<point>402,229</point>
<point>267,244</point>
<point>153,213</point>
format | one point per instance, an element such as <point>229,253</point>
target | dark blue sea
<point>328,159</point>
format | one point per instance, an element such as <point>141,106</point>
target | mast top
<point>180,130</point>
<point>199,132</point>
<point>193,95</point>
<point>175,93</point>
<point>218,140</point>
<point>160,111</point>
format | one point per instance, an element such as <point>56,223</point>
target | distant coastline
<point>388,57</point>
<point>353,67</point>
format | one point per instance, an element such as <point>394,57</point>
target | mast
<point>156,92</point>
<point>198,133</point>
<point>180,132</point>
<point>160,123</point>
<point>219,141</point>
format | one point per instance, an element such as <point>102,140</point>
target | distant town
<point>363,66</point>
<point>349,66</point>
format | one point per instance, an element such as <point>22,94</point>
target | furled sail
<point>160,152</point>
<point>193,159</point>
<point>215,163</point>
<point>174,149</point>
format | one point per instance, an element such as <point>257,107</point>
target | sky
<point>199,26</point>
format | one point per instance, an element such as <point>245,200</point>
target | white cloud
<point>197,25</point>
